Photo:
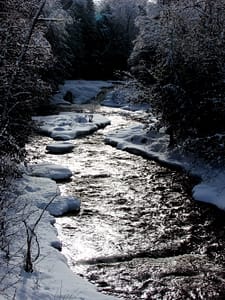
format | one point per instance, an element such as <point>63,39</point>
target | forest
<point>173,50</point>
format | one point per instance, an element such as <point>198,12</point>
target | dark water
<point>139,235</point>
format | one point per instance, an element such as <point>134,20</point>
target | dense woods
<point>179,54</point>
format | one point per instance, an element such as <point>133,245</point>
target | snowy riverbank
<point>51,277</point>
<point>155,145</point>
<point>34,200</point>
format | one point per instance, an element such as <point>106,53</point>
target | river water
<point>139,234</point>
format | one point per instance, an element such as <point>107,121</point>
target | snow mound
<point>44,193</point>
<point>60,147</point>
<point>49,170</point>
<point>69,125</point>
<point>61,205</point>
<point>149,144</point>
<point>155,145</point>
<point>37,187</point>
<point>212,187</point>
<point>120,98</point>
<point>79,91</point>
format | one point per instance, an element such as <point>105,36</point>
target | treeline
<point>94,41</point>
<point>45,41</point>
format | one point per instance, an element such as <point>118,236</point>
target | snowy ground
<point>120,98</point>
<point>51,278</point>
<point>79,91</point>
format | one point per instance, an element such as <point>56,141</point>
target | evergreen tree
<point>117,30</point>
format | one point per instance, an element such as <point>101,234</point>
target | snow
<point>212,187</point>
<point>67,126</point>
<point>82,91</point>
<point>149,144</point>
<point>61,205</point>
<point>41,284</point>
<point>115,98</point>
<point>121,97</point>
<point>49,170</point>
<point>155,145</point>
<point>60,147</point>
<point>38,191</point>
<point>51,277</point>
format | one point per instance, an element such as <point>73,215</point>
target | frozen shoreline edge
<point>210,182</point>
<point>51,278</point>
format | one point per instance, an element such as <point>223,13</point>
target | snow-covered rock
<point>61,205</point>
<point>82,91</point>
<point>69,125</point>
<point>44,193</point>
<point>212,187</point>
<point>35,188</point>
<point>49,170</point>
<point>60,147</point>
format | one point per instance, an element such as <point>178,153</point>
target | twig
<point>51,19</point>
<point>30,232</point>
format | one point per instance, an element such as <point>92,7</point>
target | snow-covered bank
<point>127,97</point>
<point>35,194</point>
<point>51,277</point>
<point>79,91</point>
<point>154,145</point>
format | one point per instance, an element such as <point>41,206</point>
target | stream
<point>139,234</point>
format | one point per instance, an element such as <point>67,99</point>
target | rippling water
<point>138,235</point>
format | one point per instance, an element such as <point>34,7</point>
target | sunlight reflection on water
<point>131,209</point>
